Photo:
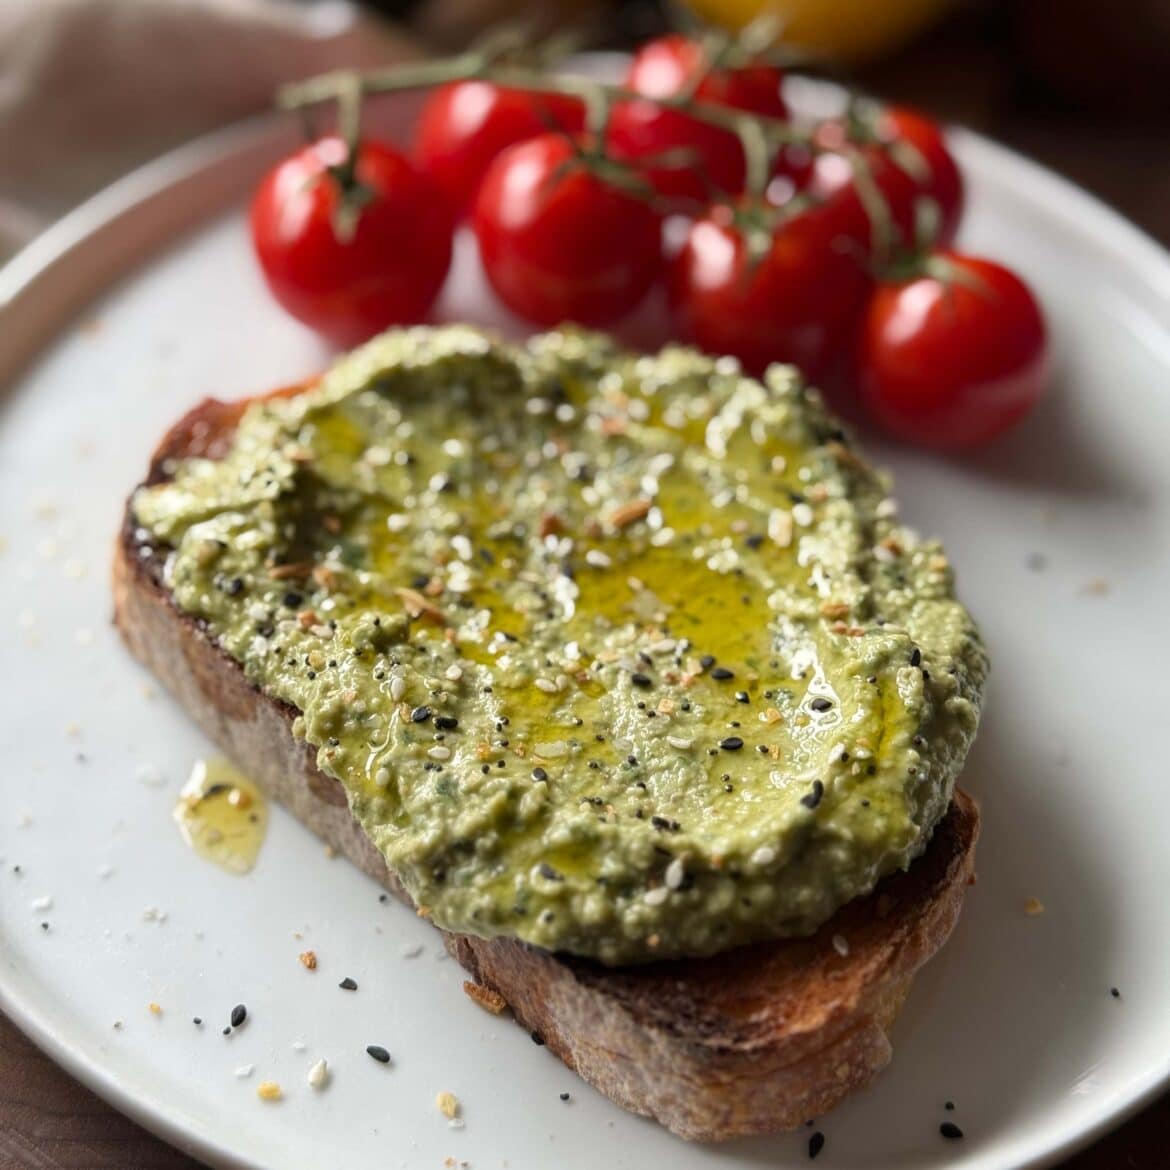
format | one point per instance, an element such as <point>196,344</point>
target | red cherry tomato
<point>388,272</point>
<point>896,134</point>
<point>663,68</point>
<point>464,125</point>
<point>955,356</point>
<point>558,241</point>
<point>798,302</point>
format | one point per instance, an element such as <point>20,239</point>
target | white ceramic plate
<point>1062,538</point>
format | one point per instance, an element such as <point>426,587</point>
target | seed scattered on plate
<point>816,1143</point>
<point>378,1053</point>
<point>245,1070</point>
<point>950,1131</point>
<point>239,1015</point>
<point>347,984</point>
<point>319,1074</point>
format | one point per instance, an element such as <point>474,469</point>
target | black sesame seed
<point>291,600</point>
<point>549,873</point>
<point>816,1143</point>
<point>239,1015</point>
<point>722,674</point>
<point>228,1030</point>
<point>420,714</point>
<point>197,1021</point>
<point>640,680</point>
<point>820,704</point>
<point>949,1105</point>
<point>707,661</point>
<point>812,798</point>
<point>731,744</point>
<point>915,656</point>
<point>1115,992</point>
<point>537,1039</point>
<point>347,984</point>
<point>754,541</point>
<point>446,722</point>
<point>378,1053</point>
<point>742,697</point>
<point>539,774</point>
<point>665,824</point>
<point>564,1096</point>
<point>383,898</point>
<point>950,1131</point>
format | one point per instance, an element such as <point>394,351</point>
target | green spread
<point>624,656</point>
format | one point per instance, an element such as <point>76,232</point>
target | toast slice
<point>752,1041</point>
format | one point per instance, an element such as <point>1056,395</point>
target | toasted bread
<point>752,1041</point>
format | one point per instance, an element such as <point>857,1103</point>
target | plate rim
<point>21,279</point>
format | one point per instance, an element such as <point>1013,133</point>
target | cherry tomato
<point>797,302</point>
<point>895,135</point>
<point>953,356</point>
<point>465,124</point>
<point>663,68</point>
<point>558,240</point>
<point>348,287</point>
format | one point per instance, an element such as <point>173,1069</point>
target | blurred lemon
<point>841,30</point>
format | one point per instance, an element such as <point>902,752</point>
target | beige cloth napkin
<point>89,89</point>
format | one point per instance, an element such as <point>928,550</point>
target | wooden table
<point>49,1121</point>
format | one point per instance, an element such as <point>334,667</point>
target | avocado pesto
<point>623,656</point>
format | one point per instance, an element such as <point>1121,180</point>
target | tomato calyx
<point>588,154</point>
<point>927,262</point>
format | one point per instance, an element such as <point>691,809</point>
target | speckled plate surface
<point>146,300</point>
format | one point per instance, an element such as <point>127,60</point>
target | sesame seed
<point>813,797</point>
<point>675,872</point>
<point>656,896</point>
<point>764,855</point>
<point>680,742</point>
<point>539,774</point>
<point>239,1015</point>
<point>816,1143</point>
<point>439,752</point>
<point>378,1053</point>
<point>821,704</point>
<point>722,674</point>
<point>545,684</point>
<point>802,514</point>
<point>640,680</point>
<point>731,744</point>
<point>564,1096</point>
<point>950,1131</point>
<point>347,984</point>
<point>397,688</point>
<point>420,714</point>
<point>840,945</point>
<point>318,1074</point>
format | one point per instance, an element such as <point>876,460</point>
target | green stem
<point>474,66</point>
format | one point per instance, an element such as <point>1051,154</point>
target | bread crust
<point>753,1041</point>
